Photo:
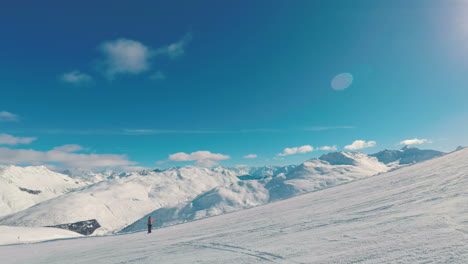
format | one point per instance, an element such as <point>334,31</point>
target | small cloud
<point>124,56</point>
<point>69,148</point>
<point>297,150</point>
<point>8,117</point>
<point>6,139</point>
<point>76,77</point>
<point>250,156</point>
<point>201,158</point>
<point>360,144</point>
<point>158,76</point>
<point>198,155</point>
<point>414,141</point>
<point>66,159</point>
<point>175,49</point>
<point>342,81</point>
<point>328,148</point>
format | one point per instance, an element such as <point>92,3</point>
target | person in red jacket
<point>150,224</point>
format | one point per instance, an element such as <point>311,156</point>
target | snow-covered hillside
<point>331,169</point>
<point>220,200</point>
<point>15,235</point>
<point>416,214</point>
<point>116,203</point>
<point>23,187</point>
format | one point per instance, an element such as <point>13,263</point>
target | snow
<point>118,202</point>
<point>310,176</point>
<point>416,214</point>
<point>23,187</point>
<point>14,235</point>
<point>219,200</point>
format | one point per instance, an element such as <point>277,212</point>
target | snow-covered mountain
<point>416,214</point>
<point>328,170</point>
<point>220,200</point>
<point>94,176</point>
<point>23,187</point>
<point>254,173</point>
<point>315,174</point>
<point>406,155</point>
<point>116,203</point>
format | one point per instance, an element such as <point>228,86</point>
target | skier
<point>150,224</point>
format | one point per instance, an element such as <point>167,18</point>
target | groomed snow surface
<point>16,235</point>
<point>416,214</point>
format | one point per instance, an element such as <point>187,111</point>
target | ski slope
<point>417,214</point>
<point>14,234</point>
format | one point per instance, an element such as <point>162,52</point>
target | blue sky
<point>134,82</point>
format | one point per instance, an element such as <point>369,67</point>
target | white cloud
<point>124,56</point>
<point>157,76</point>
<point>414,141</point>
<point>76,77</point>
<point>201,158</point>
<point>329,148</point>
<point>198,155</point>
<point>250,156</point>
<point>6,139</point>
<point>69,148</point>
<point>360,144</point>
<point>7,116</point>
<point>66,159</point>
<point>296,150</point>
<point>175,49</point>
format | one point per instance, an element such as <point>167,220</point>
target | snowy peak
<point>23,187</point>
<point>341,158</point>
<point>407,155</point>
<point>254,173</point>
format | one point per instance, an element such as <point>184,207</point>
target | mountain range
<point>121,200</point>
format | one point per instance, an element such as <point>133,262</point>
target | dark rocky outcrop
<point>83,227</point>
<point>36,192</point>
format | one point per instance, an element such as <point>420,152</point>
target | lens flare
<point>342,81</point>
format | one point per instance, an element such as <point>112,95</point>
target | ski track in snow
<point>417,214</point>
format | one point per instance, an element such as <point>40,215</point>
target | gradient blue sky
<point>229,77</point>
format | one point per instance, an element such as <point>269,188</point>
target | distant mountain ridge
<point>406,155</point>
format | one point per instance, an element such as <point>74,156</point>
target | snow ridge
<point>23,187</point>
